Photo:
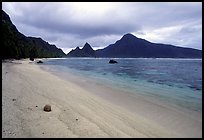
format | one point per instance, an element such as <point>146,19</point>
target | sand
<point>81,111</point>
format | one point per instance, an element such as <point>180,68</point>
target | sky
<point>71,24</point>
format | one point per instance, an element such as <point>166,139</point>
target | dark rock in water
<point>112,61</point>
<point>31,59</point>
<point>40,61</point>
<point>47,108</point>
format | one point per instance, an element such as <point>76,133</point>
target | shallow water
<point>174,81</point>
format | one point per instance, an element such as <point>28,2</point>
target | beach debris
<point>112,61</point>
<point>76,119</point>
<point>36,106</point>
<point>47,108</point>
<point>30,108</point>
<point>39,61</point>
<point>13,99</point>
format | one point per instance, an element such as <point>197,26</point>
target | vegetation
<point>16,45</point>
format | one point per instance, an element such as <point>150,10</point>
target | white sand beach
<point>79,110</point>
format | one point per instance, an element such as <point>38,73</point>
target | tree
<point>33,53</point>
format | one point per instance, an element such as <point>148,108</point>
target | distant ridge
<point>132,47</point>
<point>16,45</point>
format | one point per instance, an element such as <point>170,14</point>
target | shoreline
<point>97,115</point>
<point>148,107</point>
<point>110,92</point>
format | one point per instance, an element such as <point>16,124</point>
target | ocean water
<point>174,81</point>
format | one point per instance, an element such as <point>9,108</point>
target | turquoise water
<point>174,81</point>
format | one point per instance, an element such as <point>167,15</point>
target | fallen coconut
<point>47,108</point>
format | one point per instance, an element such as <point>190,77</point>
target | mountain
<point>133,47</point>
<point>86,51</point>
<point>16,45</point>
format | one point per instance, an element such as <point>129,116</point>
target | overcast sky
<point>70,24</point>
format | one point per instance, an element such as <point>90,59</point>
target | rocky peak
<point>87,47</point>
<point>128,36</point>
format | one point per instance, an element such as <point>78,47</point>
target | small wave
<point>195,87</point>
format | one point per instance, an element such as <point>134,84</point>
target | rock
<point>112,61</point>
<point>47,108</point>
<point>40,61</point>
<point>31,59</point>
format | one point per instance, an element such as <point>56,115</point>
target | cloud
<point>70,24</point>
<point>61,18</point>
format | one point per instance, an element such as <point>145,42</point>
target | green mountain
<point>133,47</point>
<point>16,45</point>
<point>129,46</point>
